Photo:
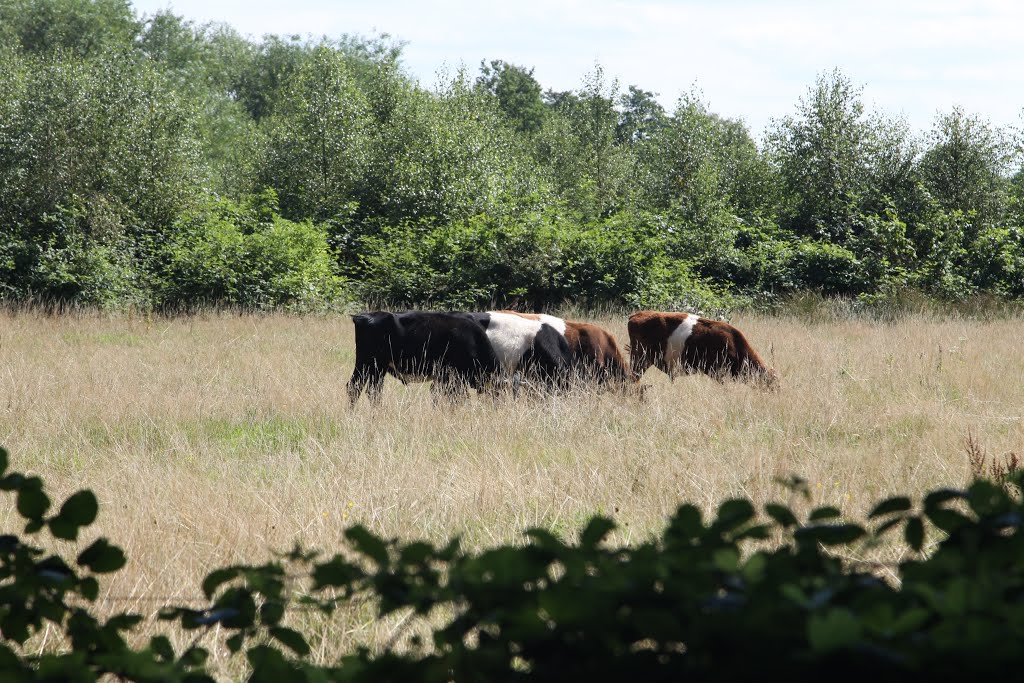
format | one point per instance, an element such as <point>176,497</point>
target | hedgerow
<point>740,593</point>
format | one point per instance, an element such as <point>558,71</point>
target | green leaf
<point>416,552</point>
<point>124,622</point>
<point>268,665</point>
<point>195,656</point>
<point>216,578</point>
<point>291,639</point>
<point>11,482</point>
<point>89,588</point>
<point>891,505</point>
<point>753,569</point>
<point>32,502</point>
<point>914,533</point>
<point>837,629</point>
<point>940,496</point>
<point>595,531</point>
<point>825,512</point>
<point>234,643</point>
<point>947,520</point>
<point>271,613</point>
<point>80,508</point>
<point>781,514</point>
<point>734,513</point>
<point>161,647</point>
<point>369,544</point>
<point>726,559</point>
<point>986,498</point>
<point>77,511</point>
<point>101,557</point>
<point>686,522</point>
<point>336,573</point>
<point>911,620</point>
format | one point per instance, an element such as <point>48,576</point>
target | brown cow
<point>684,341</point>
<point>595,353</point>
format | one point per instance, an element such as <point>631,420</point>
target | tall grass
<point>220,438</point>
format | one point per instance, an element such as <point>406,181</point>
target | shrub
<point>826,267</point>
<point>247,255</point>
<point>538,260</point>
<point>738,594</point>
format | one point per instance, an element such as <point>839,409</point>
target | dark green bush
<point>537,259</point>
<point>734,595</point>
<point>826,267</point>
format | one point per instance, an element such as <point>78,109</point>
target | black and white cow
<point>456,350</point>
<point>530,349</point>
<point>452,349</point>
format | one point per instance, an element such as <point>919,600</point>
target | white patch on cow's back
<point>511,337</point>
<point>677,341</point>
<point>557,323</point>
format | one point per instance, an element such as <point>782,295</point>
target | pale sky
<point>750,60</point>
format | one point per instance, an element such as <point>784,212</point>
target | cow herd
<point>493,350</point>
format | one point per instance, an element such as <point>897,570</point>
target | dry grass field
<point>220,438</point>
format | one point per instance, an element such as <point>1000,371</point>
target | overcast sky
<point>750,60</point>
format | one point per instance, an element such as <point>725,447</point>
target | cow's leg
<point>369,376</point>
<point>639,360</point>
<point>450,385</point>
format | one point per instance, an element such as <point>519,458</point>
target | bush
<point>536,260</point>
<point>247,255</point>
<point>827,268</point>
<point>735,595</point>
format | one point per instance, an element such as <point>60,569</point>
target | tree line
<point>158,163</point>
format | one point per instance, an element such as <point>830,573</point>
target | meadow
<point>221,438</point>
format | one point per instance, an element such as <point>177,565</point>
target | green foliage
<point>318,140</point>
<point>536,260</point>
<point>95,157</point>
<point>728,595</point>
<point>42,591</point>
<point>578,147</point>
<point>826,267</point>
<point>449,157</point>
<point>965,169</point>
<point>997,261</point>
<point>822,159</point>
<point>247,255</point>
<point>517,91</point>
<point>115,129</point>
<point>82,27</point>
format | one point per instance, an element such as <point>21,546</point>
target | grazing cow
<point>674,341</point>
<point>595,353</point>
<point>452,349</point>
<point>528,347</point>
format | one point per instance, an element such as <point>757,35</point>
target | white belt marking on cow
<point>511,337</point>
<point>556,323</point>
<point>677,341</point>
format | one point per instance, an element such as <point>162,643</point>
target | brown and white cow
<point>674,342</point>
<point>595,354</point>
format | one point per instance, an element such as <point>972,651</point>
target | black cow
<point>452,349</point>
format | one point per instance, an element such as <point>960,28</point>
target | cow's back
<point>595,351</point>
<point>413,342</point>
